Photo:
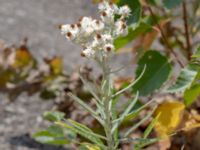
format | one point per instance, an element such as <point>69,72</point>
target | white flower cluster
<point>97,36</point>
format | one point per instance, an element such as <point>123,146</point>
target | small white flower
<point>121,28</point>
<point>70,31</point>
<point>88,52</point>
<point>124,11</point>
<point>98,35</point>
<point>107,16</point>
<point>115,8</point>
<point>107,38</point>
<point>103,6</point>
<point>109,47</point>
<point>97,25</point>
<point>86,25</point>
<point>65,28</point>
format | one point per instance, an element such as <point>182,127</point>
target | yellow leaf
<point>22,57</point>
<point>56,65</point>
<point>170,117</point>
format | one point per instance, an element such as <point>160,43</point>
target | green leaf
<point>53,116</point>
<point>150,127</point>
<point>157,72</point>
<point>133,32</point>
<point>136,29</point>
<point>169,4</point>
<point>133,128</point>
<point>47,94</point>
<point>83,131</point>
<point>136,10</point>
<point>87,130</point>
<point>88,146</point>
<point>197,53</point>
<point>135,113</point>
<point>53,135</point>
<point>193,92</point>
<point>125,113</point>
<point>184,80</point>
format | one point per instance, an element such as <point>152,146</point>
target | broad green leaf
<point>169,4</point>
<point>53,116</point>
<point>136,10</point>
<point>193,92</point>
<point>157,72</point>
<point>53,135</point>
<point>184,80</point>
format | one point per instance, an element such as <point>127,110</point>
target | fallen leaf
<point>170,117</point>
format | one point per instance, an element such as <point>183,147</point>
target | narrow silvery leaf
<point>125,113</point>
<point>84,105</point>
<point>85,129</point>
<point>138,124</point>
<point>130,85</point>
<point>135,113</point>
<point>84,132</point>
<point>89,87</point>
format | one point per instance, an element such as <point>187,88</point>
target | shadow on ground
<point>25,140</point>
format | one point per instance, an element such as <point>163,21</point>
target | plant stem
<point>106,97</point>
<point>165,38</point>
<point>187,35</point>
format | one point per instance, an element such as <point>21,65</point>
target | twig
<point>165,38</point>
<point>187,35</point>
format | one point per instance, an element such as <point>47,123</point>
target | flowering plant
<point>97,40</point>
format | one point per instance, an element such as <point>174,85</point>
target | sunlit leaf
<point>53,135</point>
<point>184,80</point>
<point>170,116</point>
<point>193,92</point>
